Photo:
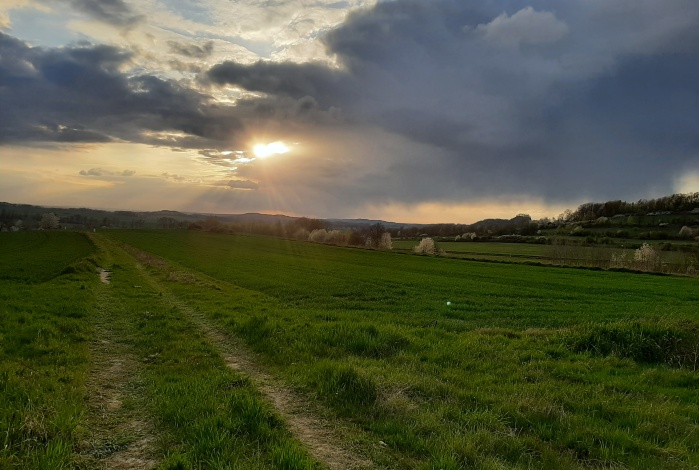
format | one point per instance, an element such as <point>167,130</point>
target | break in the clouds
<point>115,12</point>
<point>403,102</point>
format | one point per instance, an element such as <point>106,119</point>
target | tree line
<point>667,204</point>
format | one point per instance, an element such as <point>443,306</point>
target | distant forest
<point>15,217</point>
<point>668,204</point>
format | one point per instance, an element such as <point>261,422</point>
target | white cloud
<point>103,172</point>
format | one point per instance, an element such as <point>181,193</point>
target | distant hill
<point>86,218</point>
<point>684,206</point>
<point>358,223</point>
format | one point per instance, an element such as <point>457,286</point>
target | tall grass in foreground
<point>44,329</point>
<point>525,367</point>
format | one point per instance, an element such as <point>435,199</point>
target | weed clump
<point>290,456</point>
<point>256,330</point>
<point>676,345</point>
<point>82,266</point>
<point>364,340</point>
<point>345,386</point>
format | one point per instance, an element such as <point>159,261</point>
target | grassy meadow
<point>421,362</point>
<point>561,254</point>
<point>112,376</point>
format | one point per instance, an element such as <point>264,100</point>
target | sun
<point>273,148</point>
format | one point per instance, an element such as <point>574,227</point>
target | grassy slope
<point>527,366</point>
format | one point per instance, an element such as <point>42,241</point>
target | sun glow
<point>273,148</point>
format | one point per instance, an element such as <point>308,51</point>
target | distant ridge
<point>10,212</point>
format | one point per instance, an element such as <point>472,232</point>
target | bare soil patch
<point>105,276</point>
<point>117,435</point>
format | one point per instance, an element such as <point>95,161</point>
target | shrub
<point>355,238</point>
<point>344,385</point>
<point>426,247</point>
<point>646,257</point>
<point>648,342</point>
<point>49,221</point>
<point>301,234</point>
<point>386,243</point>
<point>323,236</point>
<point>618,260</point>
<point>580,232</point>
<point>686,232</point>
<point>336,237</point>
<point>318,235</point>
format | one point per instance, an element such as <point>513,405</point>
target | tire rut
<point>319,435</point>
<point>118,435</point>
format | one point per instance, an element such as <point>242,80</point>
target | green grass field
<point>527,366</point>
<point>554,254</point>
<point>112,376</point>
<point>44,328</point>
<point>419,362</point>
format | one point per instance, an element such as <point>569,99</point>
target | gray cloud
<point>192,50</point>
<point>554,99</point>
<point>115,12</point>
<point>432,101</point>
<point>527,26</point>
<point>79,94</point>
<point>324,85</point>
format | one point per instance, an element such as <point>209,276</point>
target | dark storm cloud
<point>432,101</point>
<point>192,50</point>
<point>79,94</point>
<point>326,86</point>
<point>114,12</point>
<point>557,99</point>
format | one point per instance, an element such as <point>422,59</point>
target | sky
<point>404,110</point>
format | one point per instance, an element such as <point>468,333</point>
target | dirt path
<point>118,435</point>
<point>305,418</point>
<point>105,276</point>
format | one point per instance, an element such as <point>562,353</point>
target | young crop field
<point>96,375</point>
<point>492,249</point>
<point>44,326</point>
<point>572,255</point>
<point>224,351</point>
